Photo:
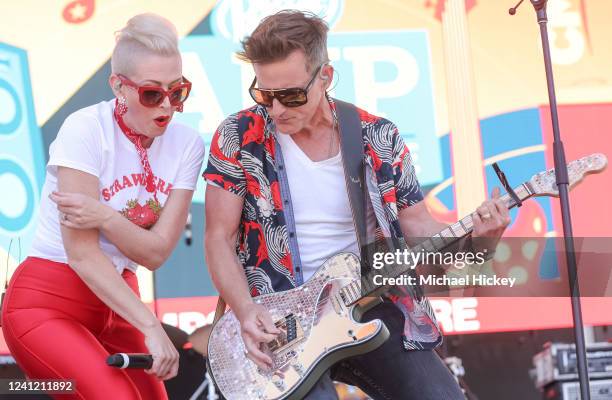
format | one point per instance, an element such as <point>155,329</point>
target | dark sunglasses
<point>153,96</point>
<point>291,97</point>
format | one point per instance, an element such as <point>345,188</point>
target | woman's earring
<point>121,106</point>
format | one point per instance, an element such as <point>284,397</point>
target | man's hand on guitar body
<point>257,330</point>
<point>490,220</point>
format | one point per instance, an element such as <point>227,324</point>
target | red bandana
<point>137,139</point>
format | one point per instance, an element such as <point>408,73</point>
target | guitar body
<point>318,331</point>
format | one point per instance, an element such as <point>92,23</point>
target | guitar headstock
<point>544,183</point>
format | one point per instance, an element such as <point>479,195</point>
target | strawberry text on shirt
<point>134,180</point>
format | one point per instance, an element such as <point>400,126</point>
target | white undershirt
<point>323,219</point>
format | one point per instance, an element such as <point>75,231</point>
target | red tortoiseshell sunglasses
<point>153,96</point>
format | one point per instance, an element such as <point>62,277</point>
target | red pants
<point>57,328</point>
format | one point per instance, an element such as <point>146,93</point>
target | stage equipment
<point>557,362</point>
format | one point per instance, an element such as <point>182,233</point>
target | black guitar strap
<point>352,147</point>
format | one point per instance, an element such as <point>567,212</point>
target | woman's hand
<point>165,356</point>
<point>80,211</point>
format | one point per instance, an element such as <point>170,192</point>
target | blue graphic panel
<point>516,137</point>
<point>22,163</point>
<point>389,75</point>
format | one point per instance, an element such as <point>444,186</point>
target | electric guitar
<point>319,320</point>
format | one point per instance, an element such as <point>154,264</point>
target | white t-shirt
<point>323,218</point>
<point>91,141</point>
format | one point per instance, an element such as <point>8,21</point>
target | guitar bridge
<point>291,334</point>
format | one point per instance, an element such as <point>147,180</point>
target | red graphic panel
<point>585,129</point>
<point>78,11</point>
<point>491,314</point>
<point>439,7</point>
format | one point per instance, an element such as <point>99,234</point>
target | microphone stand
<point>562,184</point>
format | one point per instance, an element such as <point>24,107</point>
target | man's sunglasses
<point>153,96</point>
<point>291,97</point>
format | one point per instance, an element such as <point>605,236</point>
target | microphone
<point>123,360</point>
<point>512,10</point>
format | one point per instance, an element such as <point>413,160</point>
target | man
<point>277,207</point>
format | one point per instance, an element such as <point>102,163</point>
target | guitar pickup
<point>291,334</point>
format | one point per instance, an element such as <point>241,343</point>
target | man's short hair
<point>280,34</point>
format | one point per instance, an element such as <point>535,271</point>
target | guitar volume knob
<point>299,368</point>
<point>278,382</point>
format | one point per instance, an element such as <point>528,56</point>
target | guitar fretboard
<point>448,236</point>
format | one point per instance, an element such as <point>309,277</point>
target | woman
<point>119,183</point>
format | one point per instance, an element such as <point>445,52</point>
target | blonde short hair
<point>143,33</point>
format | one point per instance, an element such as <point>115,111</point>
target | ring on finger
<point>65,216</point>
<point>486,216</point>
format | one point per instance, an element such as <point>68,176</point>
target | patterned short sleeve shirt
<point>243,160</point>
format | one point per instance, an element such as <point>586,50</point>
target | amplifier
<point>557,362</point>
<point>600,390</point>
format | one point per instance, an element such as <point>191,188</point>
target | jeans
<point>390,372</point>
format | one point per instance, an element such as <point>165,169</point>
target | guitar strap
<point>220,310</point>
<point>351,146</point>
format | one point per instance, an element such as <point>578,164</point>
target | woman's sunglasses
<point>291,97</point>
<point>153,96</point>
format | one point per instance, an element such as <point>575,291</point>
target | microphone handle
<point>123,360</point>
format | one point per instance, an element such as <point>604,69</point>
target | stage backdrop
<point>462,79</point>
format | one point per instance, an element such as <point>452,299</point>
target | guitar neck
<point>440,241</point>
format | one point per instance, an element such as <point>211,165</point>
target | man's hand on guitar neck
<point>490,220</point>
<point>257,329</point>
